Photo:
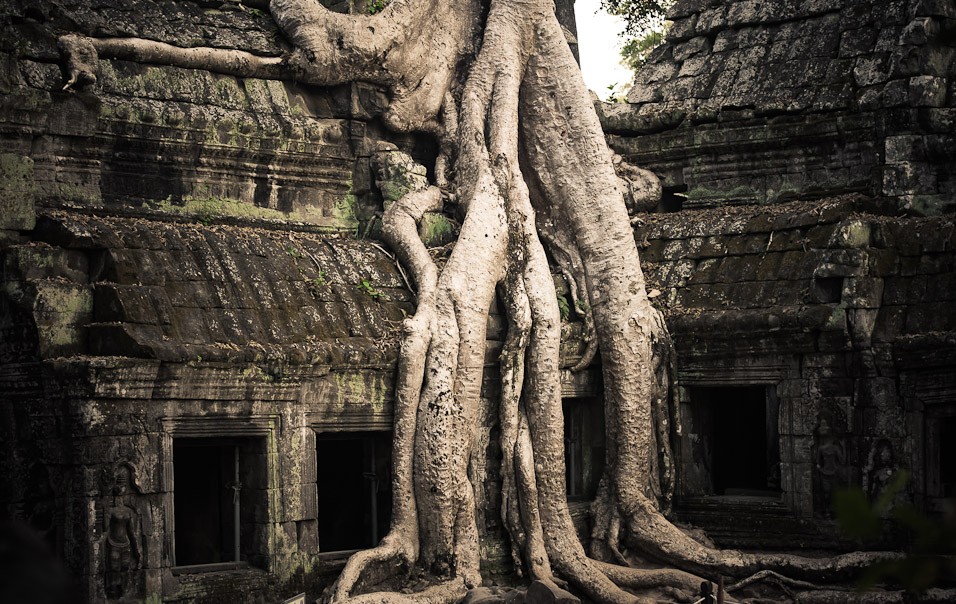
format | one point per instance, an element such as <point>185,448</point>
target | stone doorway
<point>732,446</point>
<point>353,483</point>
<point>584,446</point>
<point>219,492</point>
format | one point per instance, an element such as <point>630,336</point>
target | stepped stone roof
<point>810,55</point>
<point>181,291</point>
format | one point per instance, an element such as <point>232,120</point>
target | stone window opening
<point>353,487</point>
<point>219,501</point>
<point>827,290</point>
<point>584,446</point>
<point>731,443</point>
<point>672,199</point>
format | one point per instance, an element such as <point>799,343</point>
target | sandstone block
<point>16,192</point>
<point>726,40</point>
<point>747,12</point>
<point>684,8</point>
<point>870,70</point>
<point>850,234</point>
<point>920,30</point>
<point>712,19</point>
<point>856,42</point>
<point>908,178</point>
<point>935,8</point>
<point>482,595</point>
<point>694,46</point>
<point>927,91</point>
<point>39,261</point>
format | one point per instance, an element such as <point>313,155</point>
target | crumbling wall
<point>832,305</point>
<point>795,142</point>
<point>179,264</point>
<point>174,140</point>
<point>772,101</point>
<point>169,271</point>
<point>127,334</point>
<point>176,266</point>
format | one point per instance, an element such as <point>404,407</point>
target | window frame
<point>223,428</point>
<point>778,373</point>
<point>352,434</point>
<point>346,420</point>
<point>771,409</point>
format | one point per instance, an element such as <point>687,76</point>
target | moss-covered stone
<point>851,234</point>
<point>397,173</point>
<point>60,312</point>
<point>436,229</point>
<point>212,208</point>
<point>17,192</point>
<point>344,212</point>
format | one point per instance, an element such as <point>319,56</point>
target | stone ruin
<point>197,326</point>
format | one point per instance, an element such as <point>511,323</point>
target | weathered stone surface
<point>175,294</point>
<point>178,141</point>
<point>230,292</point>
<point>396,172</point>
<point>747,287</point>
<point>482,595</point>
<point>16,192</point>
<point>837,69</point>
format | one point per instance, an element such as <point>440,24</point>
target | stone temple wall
<point>798,144</point>
<point>181,275</point>
<point>776,100</point>
<point>179,268</point>
<point>123,337</point>
<point>169,139</point>
<point>845,316</point>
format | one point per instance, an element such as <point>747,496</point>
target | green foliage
<point>644,28</point>
<point>617,93</point>
<point>860,519</point>
<point>639,16</point>
<point>317,284</point>
<point>636,51</point>
<point>856,517</point>
<point>930,560</point>
<point>295,252</point>
<point>370,291</point>
<point>564,308</point>
<point>436,229</point>
<point>376,6</point>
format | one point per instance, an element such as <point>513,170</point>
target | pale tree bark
<point>523,155</point>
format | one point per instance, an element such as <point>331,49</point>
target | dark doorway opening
<point>584,446</point>
<point>940,443</point>
<point>219,498</point>
<point>353,481</point>
<point>947,457</point>
<point>672,199</point>
<point>731,444</point>
<point>827,290</point>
